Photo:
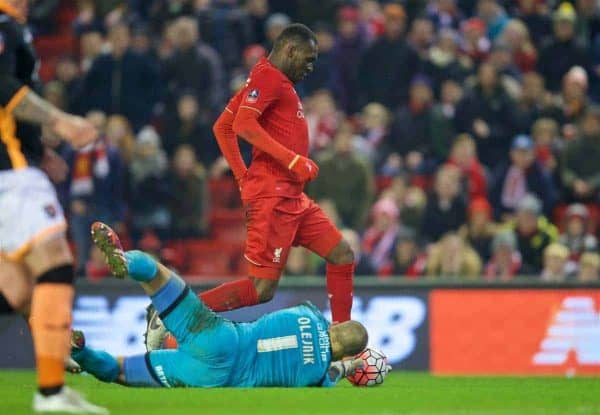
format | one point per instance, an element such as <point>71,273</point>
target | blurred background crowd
<point>455,138</point>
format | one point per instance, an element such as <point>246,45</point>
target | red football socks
<point>231,295</point>
<point>339,289</point>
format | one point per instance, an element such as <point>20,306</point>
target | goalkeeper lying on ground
<point>291,347</point>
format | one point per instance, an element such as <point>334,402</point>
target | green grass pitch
<point>402,393</point>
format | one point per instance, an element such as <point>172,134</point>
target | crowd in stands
<point>455,138</point>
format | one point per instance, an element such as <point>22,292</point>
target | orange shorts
<point>276,224</point>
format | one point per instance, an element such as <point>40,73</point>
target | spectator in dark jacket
<point>344,162</point>
<point>187,127</point>
<point>410,135</point>
<point>321,76</point>
<point>446,208</point>
<point>387,82</point>
<point>189,202</point>
<point>563,51</point>
<point>187,69</point>
<point>581,174</point>
<point>122,82</point>
<point>523,175</point>
<point>349,45</point>
<point>488,114</point>
<point>534,234</point>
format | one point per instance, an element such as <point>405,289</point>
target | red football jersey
<point>270,93</point>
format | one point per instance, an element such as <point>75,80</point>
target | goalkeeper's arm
<point>340,369</point>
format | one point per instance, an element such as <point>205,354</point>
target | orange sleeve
<point>228,143</point>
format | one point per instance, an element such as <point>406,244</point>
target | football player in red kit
<point>268,114</point>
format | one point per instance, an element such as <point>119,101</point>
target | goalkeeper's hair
<point>352,336</point>
<point>296,33</point>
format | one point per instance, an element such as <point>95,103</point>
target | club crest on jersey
<point>252,96</point>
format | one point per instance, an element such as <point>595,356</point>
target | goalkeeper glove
<point>342,368</point>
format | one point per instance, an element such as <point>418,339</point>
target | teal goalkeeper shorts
<point>208,346</point>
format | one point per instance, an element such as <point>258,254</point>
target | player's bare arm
<point>34,109</point>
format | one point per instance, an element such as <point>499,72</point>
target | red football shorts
<point>276,224</point>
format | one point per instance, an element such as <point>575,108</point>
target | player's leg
<point>15,288</point>
<point>271,226</point>
<point>318,234</point>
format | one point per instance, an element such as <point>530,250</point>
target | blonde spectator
<point>120,134</point>
<point>516,37</point>
<point>589,267</point>
<point>464,157</point>
<point>453,257</point>
<point>555,260</point>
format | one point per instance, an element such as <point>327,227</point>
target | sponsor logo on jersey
<point>277,255</point>
<point>300,113</point>
<point>252,96</point>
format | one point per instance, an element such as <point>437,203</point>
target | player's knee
<point>341,254</point>
<point>63,274</point>
<point>265,289</point>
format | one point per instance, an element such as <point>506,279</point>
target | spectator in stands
<point>187,127</point>
<point>580,173</point>
<point>534,234</point>
<point>453,257</point>
<point>190,68</point>
<point>555,259</point>
<point>569,107</point>
<point>442,119</point>
<point>563,51</point>
<point>505,263</point>
<point>410,132</point>
<point>480,230</point>
<point>378,240</point>
<point>488,113</point>
<point>475,45</point>
<point>91,45</point>
<point>464,157</point>
<point>413,207</point>
<point>516,37</point>
<point>67,73</point>
<point>321,76</point>
<point>164,11</point>
<point>150,193</point>
<point>548,145</point>
<point>375,122</point>
<point>494,16</point>
<point>343,162</point>
<point>350,44</point>
<point>409,261</point>
<point>523,175</point>
<point>589,267</point>
<point>323,119</point>
<point>533,100</point>
<point>446,208</point>
<point>534,13</point>
<point>120,135</point>
<point>274,25</point>
<point>443,61</point>
<point>397,62</point>
<point>588,21</point>
<point>188,204</point>
<point>122,82</point>
<point>576,235</point>
<point>509,75</point>
<point>445,14</point>
<point>421,36</point>
<point>94,189</point>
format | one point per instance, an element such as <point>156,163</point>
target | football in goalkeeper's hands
<point>374,369</point>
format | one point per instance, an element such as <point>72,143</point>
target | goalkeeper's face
<point>347,339</point>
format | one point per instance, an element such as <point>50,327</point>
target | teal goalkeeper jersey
<point>289,347</point>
